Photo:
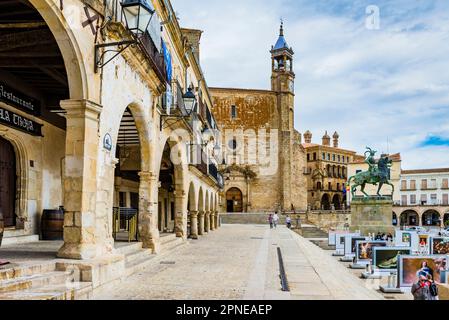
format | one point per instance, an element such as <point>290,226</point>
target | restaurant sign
<point>19,100</point>
<point>19,122</point>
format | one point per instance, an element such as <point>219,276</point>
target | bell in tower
<point>281,54</point>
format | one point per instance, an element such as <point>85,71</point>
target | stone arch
<point>22,181</point>
<point>446,219</point>
<point>192,198</point>
<point>134,165</point>
<point>409,218</point>
<point>234,200</point>
<point>137,110</point>
<point>74,60</point>
<point>201,197</point>
<point>211,200</point>
<point>336,201</point>
<point>431,218</point>
<point>325,202</point>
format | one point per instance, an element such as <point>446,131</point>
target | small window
<point>328,157</point>
<point>324,156</point>
<point>338,158</point>
<point>233,112</point>
<point>314,156</point>
<point>333,157</point>
<point>308,157</point>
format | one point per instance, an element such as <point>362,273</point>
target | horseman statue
<point>378,173</point>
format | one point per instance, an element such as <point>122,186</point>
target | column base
<point>77,251</point>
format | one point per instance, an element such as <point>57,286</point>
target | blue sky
<point>385,88</point>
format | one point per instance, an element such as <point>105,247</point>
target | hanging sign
<point>19,122</point>
<point>19,100</point>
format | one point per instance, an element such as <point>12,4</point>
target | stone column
<point>217,222</point>
<point>201,223</point>
<point>193,224</point>
<point>181,214</point>
<point>148,215</point>
<point>80,181</point>
<point>206,221</point>
<point>212,221</point>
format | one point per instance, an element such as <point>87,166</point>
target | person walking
<point>270,220</point>
<point>288,222</point>
<point>421,290</point>
<point>275,219</point>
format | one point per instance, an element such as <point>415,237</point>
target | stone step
<point>33,281</point>
<point>13,239</point>
<point>75,291</point>
<point>129,248</point>
<point>167,237</point>
<point>173,243</point>
<point>138,264</point>
<point>136,255</point>
<point>12,272</point>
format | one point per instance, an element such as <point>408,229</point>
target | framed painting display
<point>385,259</point>
<point>410,267</point>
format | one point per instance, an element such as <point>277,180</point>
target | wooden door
<point>7,182</point>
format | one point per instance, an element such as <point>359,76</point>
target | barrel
<point>2,227</point>
<point>52,224</point>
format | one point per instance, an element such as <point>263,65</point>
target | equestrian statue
<point>378,173</point>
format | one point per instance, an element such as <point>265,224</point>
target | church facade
<point>263,161</point>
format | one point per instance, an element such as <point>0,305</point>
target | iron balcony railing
<point>146,44</point>
<point>213,171</point>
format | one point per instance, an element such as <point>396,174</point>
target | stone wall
<point>328,220</point>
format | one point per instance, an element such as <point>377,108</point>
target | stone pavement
<point>240,262</point>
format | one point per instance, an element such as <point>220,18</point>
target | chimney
<point>336,136</point>
<point>326,140</point>
<point>308,137</point>
<point>193,37</point>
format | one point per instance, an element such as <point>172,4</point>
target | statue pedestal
<point>372,215</point>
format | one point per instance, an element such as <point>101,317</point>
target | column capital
<point>193,213</point>
<point>81,108</point>
<point>201,213</point>
<point>147,176</point>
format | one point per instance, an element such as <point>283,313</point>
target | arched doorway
<point>431,218</point>
<point>446,219</point>
<point>234,200</point>
<point>394,219</point>
<point>127,180</point>
<point>7,183</point>
<point>336,202</point>
<point>166,196</point>
<point>325,202</point>
<point>409,218</point>
<point>192,208</point>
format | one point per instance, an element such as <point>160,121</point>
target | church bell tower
<point>282,82</point>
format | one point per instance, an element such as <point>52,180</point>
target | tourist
<point>390,237</point>
<point>378,236</point>
<point>433,288</point>
<point>270,220</point>
<point>384,236</point>
<point>288,221</point>
<point>420,289</point>
<point>275,219</point>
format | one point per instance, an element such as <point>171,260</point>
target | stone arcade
<point>148,180</point>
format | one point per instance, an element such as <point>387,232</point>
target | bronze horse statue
<point>379,174</point>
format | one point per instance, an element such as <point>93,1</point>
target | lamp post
<point>138,14</point>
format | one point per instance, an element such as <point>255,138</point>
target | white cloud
<point>370,85</point>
